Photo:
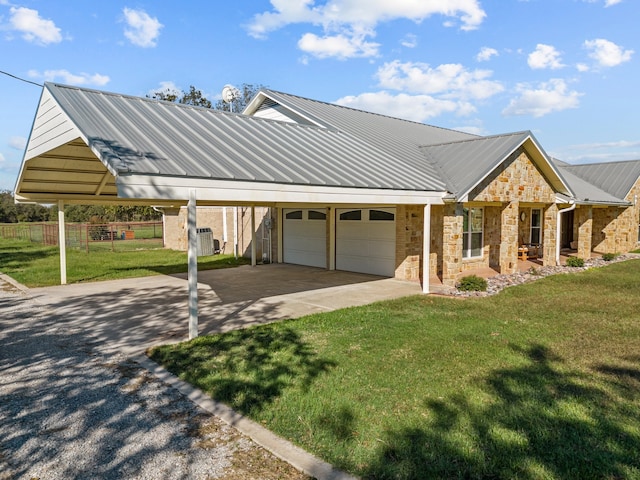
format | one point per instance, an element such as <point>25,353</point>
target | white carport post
<point>192,259</point>
<point>254,237</point>
<point>426,249</point>
<point>62,243</point>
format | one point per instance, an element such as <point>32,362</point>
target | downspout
<point>558,228</point>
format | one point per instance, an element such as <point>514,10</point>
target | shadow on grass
<point>542,423</point>
<point>245,369</point>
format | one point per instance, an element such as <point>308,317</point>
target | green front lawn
<point>36,265</point>
<point>540,381</point>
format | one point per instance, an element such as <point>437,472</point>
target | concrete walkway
<point>134,314</point>
<point>123,318</point>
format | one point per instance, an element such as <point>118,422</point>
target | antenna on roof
<point>229,94</point>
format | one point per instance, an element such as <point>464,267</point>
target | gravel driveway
<point>68,411</point>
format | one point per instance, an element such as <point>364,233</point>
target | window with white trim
<point>472,231</point>
<point>536,226</point>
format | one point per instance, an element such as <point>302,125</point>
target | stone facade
<point>584,224</point>
<point>175,228</point>
<point>517,179</point>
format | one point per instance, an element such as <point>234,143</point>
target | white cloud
<point>1,157</point>
<point>609,3</point>
<point>486,53</point>
<point>64,76</point>
<point>17,143</point>
<point>167,87</point>
<point>410,107</point>
<point>606,53</point>
<point>33,27</point>
<point>348,23</point>
<point>450,81</point>
<point>409,41</point>
<point>548,97</point>
<point>544,56</point>
<point>142,30</point>
<point>339,46</point>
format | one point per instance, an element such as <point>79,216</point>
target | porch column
<point>426,249</point>
<point>585,228</point>
<point>509,238</point>
<point>331,247</point>
<point>192,259</point>
<point>280,230</point>
<point>550,233</point>
<point>452,244</point>
<point>62,243</point>
<point>254,238</point>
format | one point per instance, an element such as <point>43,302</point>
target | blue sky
<point>565,69</point>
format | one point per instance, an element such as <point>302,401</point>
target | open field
<point>37,265</point>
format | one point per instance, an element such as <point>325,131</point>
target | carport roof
<point>88,143</point>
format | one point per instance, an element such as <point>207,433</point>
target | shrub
<point>472,283</point>
<point>575,262</point>
<point>607,257</point>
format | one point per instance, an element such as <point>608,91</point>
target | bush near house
<point>575,262</point>
<point>472,283</point>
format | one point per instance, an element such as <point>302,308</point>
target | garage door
<point>366,240</point>
<point>305,237</point>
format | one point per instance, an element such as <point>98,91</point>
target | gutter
<point>558,228</point>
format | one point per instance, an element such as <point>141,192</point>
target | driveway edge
<point>281,448</point>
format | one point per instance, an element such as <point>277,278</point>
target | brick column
<point>550,231</point>
<point>451,244</point>
<point>584,216</point>
<point>509,237</point>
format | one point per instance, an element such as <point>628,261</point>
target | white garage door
<point>366,240</point>
<point>305,237</point>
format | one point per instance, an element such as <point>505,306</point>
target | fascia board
<point>172,188</point>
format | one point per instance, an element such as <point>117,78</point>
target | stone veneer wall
<point>583,220</point>
<point>451,243</point>
<point>516,179</point>
<point>175,228</point>
<point>549,241</point>
<point>409,241</point>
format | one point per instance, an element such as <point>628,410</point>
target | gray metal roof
<point>145,136</point>
<point>398,138</point>
<point>616,178</point>
<point>587,193</point>
<point>462,164</point>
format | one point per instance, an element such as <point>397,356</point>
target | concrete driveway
<point>134,314</point>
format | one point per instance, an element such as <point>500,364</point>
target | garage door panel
<point>305,237</point>
<point>366,240</point>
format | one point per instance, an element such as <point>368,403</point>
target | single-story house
<point>340,188</point>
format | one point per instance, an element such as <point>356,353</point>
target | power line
<point>21,79</point>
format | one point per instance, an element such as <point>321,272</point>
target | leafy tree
<point>10,212</point>
<point>194,97</point>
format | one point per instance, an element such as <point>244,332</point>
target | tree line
<point>10,212</point>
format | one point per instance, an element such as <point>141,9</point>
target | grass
<point>36,265</point>
<point>540,381</point>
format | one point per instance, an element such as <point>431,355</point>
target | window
<point>351,215</point>
<point>381,215</point>
<point>316,215</point>
<point>295,215</point>
<point>536,225</point>
<point>472,232</point>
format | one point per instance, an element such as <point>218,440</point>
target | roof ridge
<point>487,137</point>
<point>603,163</point>
<point>365,111</point>
<point>195,107</point>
